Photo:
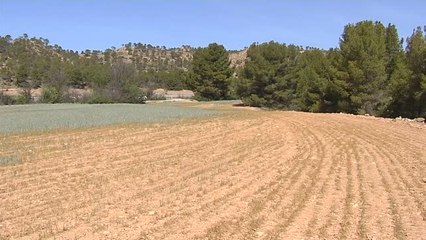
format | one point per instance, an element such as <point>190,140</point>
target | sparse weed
<point>9,160</point>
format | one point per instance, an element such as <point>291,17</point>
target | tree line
<point>373,71</point>
<point>370,73</point>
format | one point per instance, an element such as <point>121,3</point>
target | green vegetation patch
<point>25,118</point>
<point>9,160</point>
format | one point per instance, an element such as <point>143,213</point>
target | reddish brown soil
<point>242,175</point>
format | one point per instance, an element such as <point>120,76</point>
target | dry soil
<point>240,175</point>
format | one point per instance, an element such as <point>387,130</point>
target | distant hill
<point>33,57</point>
<point>32,69</point>
<point>146,56</point>
<point>149,57</point>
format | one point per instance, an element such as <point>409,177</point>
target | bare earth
<point>242,175</point>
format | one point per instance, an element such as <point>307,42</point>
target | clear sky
<point>100,24</point>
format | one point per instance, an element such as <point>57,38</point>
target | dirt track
<point>243,175</point>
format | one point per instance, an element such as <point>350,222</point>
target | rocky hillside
<point>145,57</point>
<point>29,64</point>
<point>238,58</point>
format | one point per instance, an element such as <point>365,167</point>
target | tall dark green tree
<point>318,88</point>
<point>211,73</point>
<point>268,79</point>
<point>398,75</point>
<point>394,49</point>
<point>402,100</point>
<point>363,47</point>
<point>416,59</point>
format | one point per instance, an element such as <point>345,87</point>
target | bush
<point>133,94</point>
<point>21,99</point>
<point>50,95</point>
<point>254,101</point>
<point>6,100</point>
<point>99,98</point>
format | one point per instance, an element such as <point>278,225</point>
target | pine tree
<point>401,99</point>
<point>211,73</point>
<point>268,77</point>
<point>363,49</point>
<point>416,59</point>
<point>318,88</point>
<point>394,49</point>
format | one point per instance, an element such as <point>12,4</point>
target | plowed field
<point>243,174</point>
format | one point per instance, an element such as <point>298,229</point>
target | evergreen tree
<point>416,59</point>
<point>318,89</point>
<point>401,99</point>
<point>363,48</point>
<point>398,74</point>
<point>211,72</point>
<point>268,77</point>
<point>394,49</point>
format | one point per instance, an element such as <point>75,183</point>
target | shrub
<point>6,100</point>
<point>133,94</point>
<point>99,98</point>
<point>21,99</point>
<point>254,100</point>
<point>50,95</point>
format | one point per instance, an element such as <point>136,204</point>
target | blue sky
<point>100,24</point>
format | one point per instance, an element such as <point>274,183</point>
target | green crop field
<point>24,118</point>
